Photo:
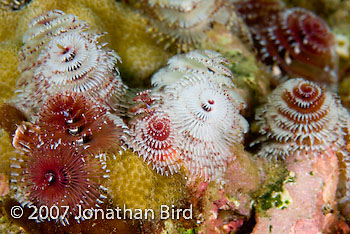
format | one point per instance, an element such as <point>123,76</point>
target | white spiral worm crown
<point>196,61</point>
<point>203,109</point>
<point>70,59</point>
<point>186,21</point>
<point>74,61</point>
<point>300,115</point>
<point>40,31</point>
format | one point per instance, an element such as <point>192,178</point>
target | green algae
<point>188,231</point>
<point>270,194</point>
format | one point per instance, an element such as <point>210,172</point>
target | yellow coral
<point>128,37</point>
<point>6,152</point>
<point>149,60</point>
<point>133,183</point>
<point>9,21</point>
<point>344,91</point>
<point>8,68</point>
